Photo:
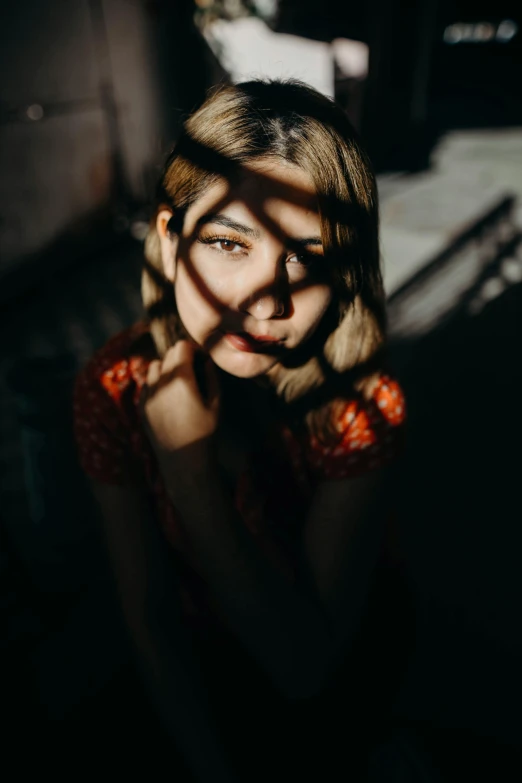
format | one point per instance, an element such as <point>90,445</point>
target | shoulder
<point>106,394</point>
<point>370,433</point>
<point>122,361</point>
<point>384,409</point>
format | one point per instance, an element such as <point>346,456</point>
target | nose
<point>268,293</point>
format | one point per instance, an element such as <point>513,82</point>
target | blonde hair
<point>287,121</point>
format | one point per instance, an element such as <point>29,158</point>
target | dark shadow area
<point>335,20</point>
<point>421,82</point>
<point>84,240</point>
<point>461,505</point>
<point>460,511</point>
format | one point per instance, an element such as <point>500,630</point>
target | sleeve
<point>103,441</point>
<point>372,435</point>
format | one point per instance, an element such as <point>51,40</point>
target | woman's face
<point>248,268</point>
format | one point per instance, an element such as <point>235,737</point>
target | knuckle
<point>152,368</point>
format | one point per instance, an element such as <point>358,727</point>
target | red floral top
<point>276,487</point>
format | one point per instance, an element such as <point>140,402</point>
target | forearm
<point>281,625</point>
<point>175,687</point>
<point>146,585</point>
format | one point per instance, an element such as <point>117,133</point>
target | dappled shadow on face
<point>330,270</point>
<point>339,211</point>
<point>220,166</point>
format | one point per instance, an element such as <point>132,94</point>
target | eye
<point>223,244</point>
<point>227,245</point>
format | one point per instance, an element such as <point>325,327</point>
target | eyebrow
<point>306,242</point>
<point>223,220</point>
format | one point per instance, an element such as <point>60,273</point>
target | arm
<point>295,631</point>
<point>148,594</point>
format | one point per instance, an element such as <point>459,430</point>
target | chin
<point>243,365</point>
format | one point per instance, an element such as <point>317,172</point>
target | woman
<point>248,424</point>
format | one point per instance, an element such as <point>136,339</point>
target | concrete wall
<point>80,118</point>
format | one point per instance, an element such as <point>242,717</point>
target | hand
<point>179,422</point>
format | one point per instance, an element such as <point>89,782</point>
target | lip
<point>261,338</point>
<point>244,341</point>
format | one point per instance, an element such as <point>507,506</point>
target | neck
<point>248,403</point>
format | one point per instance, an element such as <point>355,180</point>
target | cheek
<point>310,305</point>
<point>217,287</point>
<point>196,291</point>
<point>199,283</point>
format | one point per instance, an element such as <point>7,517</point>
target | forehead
<point>265,192</point>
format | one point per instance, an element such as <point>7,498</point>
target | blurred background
<point>92,96</point>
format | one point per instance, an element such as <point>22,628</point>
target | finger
<point>180,353</point>
<point>179,362</point>
<point>186,351</point>
<point>153,372</point>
